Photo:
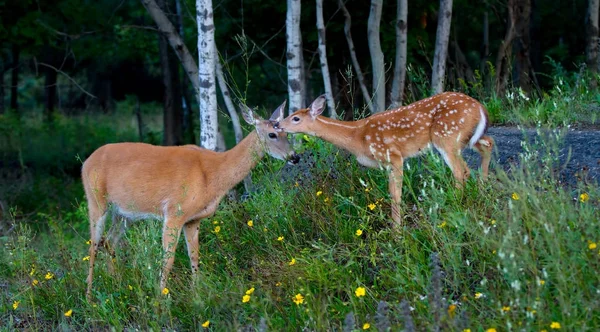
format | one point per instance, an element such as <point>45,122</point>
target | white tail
<point>448,121</point>
<point>179,185</point>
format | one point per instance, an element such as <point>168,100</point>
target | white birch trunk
<point>591,49</point>
<point>293,55</point>
<point>206,73</point>
<point>376,56</point>
<point>441,46</point>
<point>235,119</point>
<point>355,64</point>
<point>399,80</point>
<point>323,58</point>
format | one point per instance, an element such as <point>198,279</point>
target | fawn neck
<point>340,133</point>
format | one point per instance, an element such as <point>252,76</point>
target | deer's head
<point>303,120</point>
<point>274,140</point>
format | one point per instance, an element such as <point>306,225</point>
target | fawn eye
<point>272,136</point>
<point>295,119</point>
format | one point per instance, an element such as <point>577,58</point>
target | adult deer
<point>448,121</point>
<point>180,185</point>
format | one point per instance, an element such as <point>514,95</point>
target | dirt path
<point>579,151</point>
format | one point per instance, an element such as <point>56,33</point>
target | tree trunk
<point>399,80</point>
<point>591,25</point>
<point>188,117</point>
<point>172,113</point>
<point>50,93</point>
<point>441,46</point>
<point>522,43</point>
<point>323,59</point>
<point>235,119</point>
<point>376,56</point>
<point>359,74</point>
<point>2,71</point>
<point>294,55</point>
<point>485,50</point>
<point>168,29</point>
<point>207,65</point>
<point>14,79</point>
<point>505,51</point>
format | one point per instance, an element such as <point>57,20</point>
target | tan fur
<point>180,185</point>
<point>447,121</point>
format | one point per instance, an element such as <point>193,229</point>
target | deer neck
<point>340,133</point>
<point>241,159</point>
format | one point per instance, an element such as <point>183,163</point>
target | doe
<point>179,185</point>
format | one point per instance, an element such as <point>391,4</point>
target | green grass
<point>531,256</point>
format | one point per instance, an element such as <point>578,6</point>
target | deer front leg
<point>395,187</point>
<point>190,230</point>
<point>170,236</point>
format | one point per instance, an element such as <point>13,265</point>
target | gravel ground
<point>579,151</point>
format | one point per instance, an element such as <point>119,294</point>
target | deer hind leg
<point>113,239</point>
<point>170,236</point>
<point>97,215</point>
<point>453,158</point>
<point>485,146</point>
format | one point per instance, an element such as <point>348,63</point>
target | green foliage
<point>517,250</point>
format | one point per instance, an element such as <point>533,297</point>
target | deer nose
<point>294,159</point>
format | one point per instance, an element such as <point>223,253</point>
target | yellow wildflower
<point>69,313</point>
<point>86,258</point>
<point>250,223</point>
<point>206,324</point>
<point>506,308</point>
<point>165,291</point>
<point>359,232</point>
<point>88,242</point>
<point>306,138</point>
<point>555,325</point>
<point>292,262</point>
<point>35,282</point>
<point>515,196</point>
<point>49,276</point>
<point>246,298</point>
<point>32,271</point>
<point>592,245</point>
<point>16,305</point>
<point>451,310</point>
<point>542,282</point>
<point>217,229</point>
<point>366,326</point>
<point>478,295</point>
<point>215,222</point>
<point>298,299</point>
<point>367,189</point>
<point>467,330</point>
<point>360,291</point>
<point>584,197</point>
<point>442,225</point>
<point>491,330</point>
<point>130,287</point>
<point>372,206</point>
<point>278,284</point>
<point>250,291</point>
<point>319,193</point>
<point>280,238</point>
<point>296,184</point>
<point>326,200</point>
<point>493,222</point>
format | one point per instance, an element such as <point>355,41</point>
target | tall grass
<point>516,252</point>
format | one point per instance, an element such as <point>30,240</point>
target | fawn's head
<point>274,141</point>
<point>302,120</point>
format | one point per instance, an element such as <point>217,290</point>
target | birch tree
<point>591,25</point>
<point>376,56</point>
<point>399,79</point>
<point>359,74</point>
<point>323,59</point>
<point>293,55</point>
<point>441,46</point>
<point>206,74</point>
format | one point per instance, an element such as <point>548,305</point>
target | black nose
<point>294,159</point>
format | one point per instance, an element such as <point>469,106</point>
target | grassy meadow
<point>311,247</point>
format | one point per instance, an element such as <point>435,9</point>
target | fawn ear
<point>317,107</point>
<point>277,116</point>
<point>249,115</point>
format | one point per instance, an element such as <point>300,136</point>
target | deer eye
<point>272,136</point>
<point>295,119</point>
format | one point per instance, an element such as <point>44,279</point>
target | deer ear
<point>248,114</point>
<point>317,107</point>
<point>277,116</point>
